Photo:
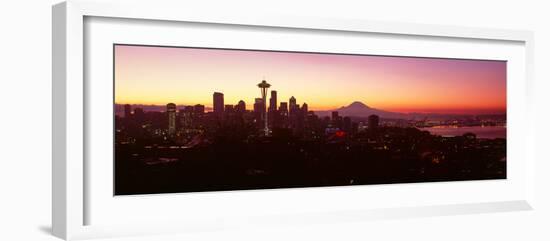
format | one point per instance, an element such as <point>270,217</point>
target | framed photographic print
<point>177,121</point>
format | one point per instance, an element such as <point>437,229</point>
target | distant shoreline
<point>484,132</point>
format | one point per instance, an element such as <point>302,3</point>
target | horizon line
<point>486,111</point>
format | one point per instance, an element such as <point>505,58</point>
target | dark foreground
<point>234,161</point>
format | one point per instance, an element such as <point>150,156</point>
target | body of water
<point>489,132</point>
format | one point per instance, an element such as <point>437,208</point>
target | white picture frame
<point>71,190</point>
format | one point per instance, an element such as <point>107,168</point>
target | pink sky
<point>186,76</point>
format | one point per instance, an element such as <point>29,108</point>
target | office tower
<point>127,111</point>
<point>186,116</point>
<point>218,103</point>
<point>229,115</point>
<point>347,124</point>
<point>336,120</point>
<point>263,87</point>
<point>354,127</point>
<point>283,114</point>
<point>283,109</point>
<point>229,109</point>
<point>294,114</point>
<point>292,107</point>
<point>198,114</point>
<point>292,103</point>
<point>326,120</point>
<point>199,110</point>
<point>334,116</point>
<point>240,107</point>
<point>273,101</point>
<point>311,118</point>
<point>273,113</point>
<point>304,108</point>
<point>373,121</point>
<point>258,109</point>
<point>171,111</point>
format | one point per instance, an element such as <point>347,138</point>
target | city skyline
<point>240,120</point>
<point>159,75</point>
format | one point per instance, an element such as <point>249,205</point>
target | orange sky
<point>188,76</point>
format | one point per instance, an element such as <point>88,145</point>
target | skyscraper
<point>186,117</point>
<point>305,108</point>
<point>336,120</point>
<point>229,109</point>
<point>199,110</point>
<point>347,124</point>
<point>171,111</point>
<point>293,114</point>
<point>198,115</point>
<point>273,101</point>
<point>335,116</point>
<point>240,107</point>
<point>292,103</point>
<point>218,103</point>
<point>283,114</point>
<point>283,109</point>
<point>258,109</point>
<point>373,121</point>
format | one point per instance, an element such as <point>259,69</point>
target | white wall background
<point>25,119</point>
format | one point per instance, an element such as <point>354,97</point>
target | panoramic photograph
<point>190,119</point>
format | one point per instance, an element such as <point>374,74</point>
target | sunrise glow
<point>188,76</point>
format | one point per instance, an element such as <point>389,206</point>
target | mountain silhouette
<point>359,109</point>
<point>356,104</point>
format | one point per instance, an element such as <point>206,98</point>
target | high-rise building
<point>302,116</point>
<point>292,103</point>
<point>199,110</point>
<point>272,113</point>
<point>293,108</point>
<point>198,115</point>
<point>283,114</point>
<point>373,121</point>
<point>229,109</point>
<point>305,108</point>
<point>171,111</point>
<point>283,109</point>
<point>347,124</point>
<point>186,116</point>
<point>335,116</point>
<point>294,115</point>
<point>218,103</point>
<point>336,120</point>
<point>240,107</point>
<point>273,101</point>
<point>258,109</point>
<point>127,111</point>
<point>311,118</point>
<point>259,105</point>
<point>354,127</point>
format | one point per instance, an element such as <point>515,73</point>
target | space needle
<point>264,86</point>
